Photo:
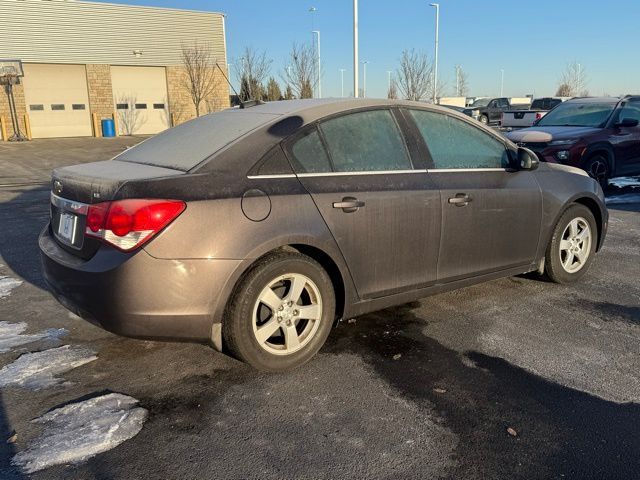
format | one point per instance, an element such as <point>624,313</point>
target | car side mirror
<point>627,123</point>
<point>527,160</point>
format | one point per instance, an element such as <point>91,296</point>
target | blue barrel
<point>108,128</point>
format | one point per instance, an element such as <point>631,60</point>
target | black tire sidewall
<point>237,327</point>
<point>553,265</point>
<point>587,167</point>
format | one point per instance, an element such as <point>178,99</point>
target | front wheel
<point>281,313</point>
<point>572,246</point>
<point>484,119</point>
<point>598,168</point>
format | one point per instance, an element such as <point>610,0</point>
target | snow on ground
<point>622,182</point>
<point>622,199</point>
<point>11,335</point>
<point>40,369</point>
<point>7,284</point>
<point>78,431</point>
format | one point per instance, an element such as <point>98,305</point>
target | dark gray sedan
<point>257,228</point>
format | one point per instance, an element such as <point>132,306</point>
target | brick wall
<point>100,90</point>
<point>180,104</point>
<point>21,108</point>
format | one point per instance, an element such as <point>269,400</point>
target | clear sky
<point>531,40</point>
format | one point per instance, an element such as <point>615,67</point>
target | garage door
<point>140,99</point>
<point>57,100</point>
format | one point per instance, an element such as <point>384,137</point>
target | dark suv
<point>599,135</point>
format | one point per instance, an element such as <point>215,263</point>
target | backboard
<point>11,67</point>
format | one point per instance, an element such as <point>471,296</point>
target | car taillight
<point>538,115</point>
<point>127,224</point>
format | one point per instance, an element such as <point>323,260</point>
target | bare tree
<point>462,82</point>
<point>392,91</point>
<point>200,79</point>
<point>301,73</point>
<point>252,69</point>
<point>563,90</point>
<point>573,81</point>
<point>130,118</point>
<point>414,75</point>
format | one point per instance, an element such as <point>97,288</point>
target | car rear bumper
<point>135,294</point>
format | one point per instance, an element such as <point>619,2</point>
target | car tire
<point>264,324</point>
<point>484,119</point>
<point>572,246</point>
<point>598,168</point>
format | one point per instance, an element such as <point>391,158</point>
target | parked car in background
<point>526,118</point>
<point>489,110</point>
<point>255,229</point>
<point>459,110</point>
<point>599,135</point>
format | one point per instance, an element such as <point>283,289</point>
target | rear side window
<point>365,141</point>
<point>310,155</point>
<point>456,144</point>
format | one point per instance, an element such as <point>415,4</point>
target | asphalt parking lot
<point>516,378</point>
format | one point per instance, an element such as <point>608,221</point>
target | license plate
<point>67,227</point>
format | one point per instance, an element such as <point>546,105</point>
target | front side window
<point>629,110</point>
<point>365,141</point>
<point>310,155</point>
<point>456,144</point>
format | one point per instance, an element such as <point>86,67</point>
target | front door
<point>626,140</point>
<point>383,213</point>
<point>491,215</point>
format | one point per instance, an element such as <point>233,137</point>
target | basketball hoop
<point>10,73</point>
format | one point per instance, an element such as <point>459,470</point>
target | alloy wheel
<point>575,245</point>
<point>287,314</point>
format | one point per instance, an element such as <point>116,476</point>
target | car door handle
<point>349,204</point>
<point>460,200</point>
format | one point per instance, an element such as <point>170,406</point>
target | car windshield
<point>481,102</point>
<point>577,115</point>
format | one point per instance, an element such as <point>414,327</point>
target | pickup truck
<point>527,118</point>
<point>489,110</point>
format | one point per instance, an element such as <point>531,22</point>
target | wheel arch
<point>601,148</point>
<point>335,268</point>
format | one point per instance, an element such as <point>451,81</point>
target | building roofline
<point>149,7</point>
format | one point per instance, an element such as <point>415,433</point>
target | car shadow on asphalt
<point>560,432</point>
<point>22,219</point>
<point>7,448</point>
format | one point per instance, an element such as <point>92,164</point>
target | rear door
<point>491,215</point>
<point>626,140</point>
<point>383,213</point>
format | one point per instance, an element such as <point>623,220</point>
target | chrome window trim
<point>452,170</point>
<point>281,175</point>
<point>366,172</point>
<point>69,205</point>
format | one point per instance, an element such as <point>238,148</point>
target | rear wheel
<point>281,313</point>
<point>598,168</point>
<point>572,246</point>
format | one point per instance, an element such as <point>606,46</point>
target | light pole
<point>388,81</point>
<point>317,32</point>
<point>342,82</point>
<point>355,48</point>
<point>435,66</point>
<point>364,79</point>
<point>457,80</point>
<point>501,82</point>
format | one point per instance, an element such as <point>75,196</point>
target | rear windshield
<point>185,146</point>
<point>573,114</point>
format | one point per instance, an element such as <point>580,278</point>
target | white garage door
<point>57,100</point>
<point>140,99</point>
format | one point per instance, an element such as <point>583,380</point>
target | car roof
<point>610,100</point>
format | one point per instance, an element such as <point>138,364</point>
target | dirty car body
<point>228,189</point>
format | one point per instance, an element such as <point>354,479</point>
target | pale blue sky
<point>531,40</point>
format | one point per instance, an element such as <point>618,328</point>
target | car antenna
<point>246,103</point>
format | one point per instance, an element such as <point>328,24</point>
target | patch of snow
<point>40,369</point>
<point>79,431</point>
<point>11,335</point>
<point>7,284</point>
<point>622,199</point>
<point>622,182</point>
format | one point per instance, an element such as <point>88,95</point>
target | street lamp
<point>501,82</point>
<point>355,48</point>
<point>342,70</point>
<point>435,67</point>
<point>318,64</point>
<point>388,80</point>
<point>364,79</point>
